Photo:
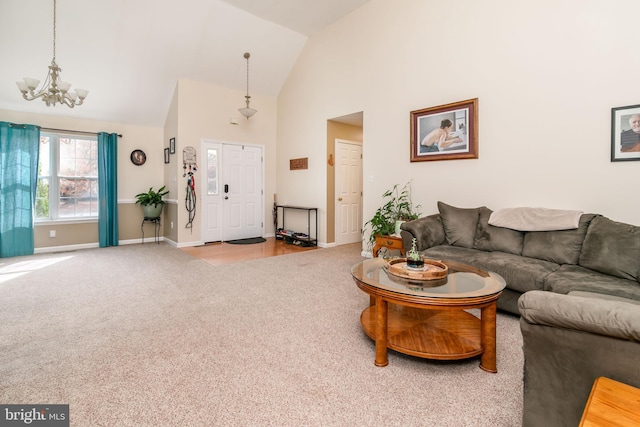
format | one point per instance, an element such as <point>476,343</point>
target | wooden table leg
<point>381,332</point>
<point>488,338</point>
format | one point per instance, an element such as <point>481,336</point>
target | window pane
<point>212,172</point>
<point>78,157</point>
<point>42,198</point>
<point>78,197</point>
<point>44,160</point>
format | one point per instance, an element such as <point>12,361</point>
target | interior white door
<point>242,195</point>
<point>348,191</point>
<point>211,192</point>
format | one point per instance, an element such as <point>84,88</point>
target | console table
<point>291,236</point>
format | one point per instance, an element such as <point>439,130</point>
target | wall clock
<point>138,157</point>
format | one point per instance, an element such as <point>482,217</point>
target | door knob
<point>339,199</point>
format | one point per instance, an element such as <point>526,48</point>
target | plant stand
<point>156,228</point>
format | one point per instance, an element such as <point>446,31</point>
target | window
<point>67,177</point>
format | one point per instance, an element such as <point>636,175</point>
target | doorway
<point>349,128</point>
<point>232,193</point>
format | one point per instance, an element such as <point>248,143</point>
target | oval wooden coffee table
<point>429,319</point>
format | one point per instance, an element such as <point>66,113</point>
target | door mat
<point>247,241</point>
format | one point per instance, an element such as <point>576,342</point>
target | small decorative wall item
<point>138,157</point>
<point>298,164</point>
<point>625,133</point>
<point>172,146</point>
<point>166,155</point>
<point>445,132</point>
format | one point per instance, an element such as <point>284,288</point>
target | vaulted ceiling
<point>129,54</point>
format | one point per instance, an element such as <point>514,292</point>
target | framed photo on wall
<point>625,133</point>
<point>172,146</point>
<point>166,155</point>
<point>445,132</point>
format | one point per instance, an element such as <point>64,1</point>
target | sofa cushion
<point>569,278</point>
<point>612,247</point>
<point>490,238</point>
<point>521,274</point>
<point>459,224</point>
<point>561,246</point>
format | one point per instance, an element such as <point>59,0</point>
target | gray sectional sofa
<point>600,255</point>
<point>576,290</point>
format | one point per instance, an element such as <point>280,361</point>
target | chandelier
<point>54,90</point>
<point>247,111</point>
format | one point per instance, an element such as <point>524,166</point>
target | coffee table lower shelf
<point>430,334</point>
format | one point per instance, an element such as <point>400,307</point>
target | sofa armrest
<point>428,232</point>
<point>568,341</point>
<point>601,316</point>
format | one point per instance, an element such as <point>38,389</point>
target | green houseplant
<point>397,207</point>
<point>414,259</point>
<point>152,202</point>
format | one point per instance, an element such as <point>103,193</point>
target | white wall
<point>204,111</point>
<point>546,73</point>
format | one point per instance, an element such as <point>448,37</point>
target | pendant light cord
<point>54,30</point>
<point>247,55</point>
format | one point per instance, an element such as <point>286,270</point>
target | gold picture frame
<point>445,132</point>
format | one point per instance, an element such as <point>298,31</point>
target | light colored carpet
<point>147,335</point>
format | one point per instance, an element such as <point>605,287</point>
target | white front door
<point>348,191</point>
<point>212,193</point>
<point>232,192</point>
<point>242,198</point>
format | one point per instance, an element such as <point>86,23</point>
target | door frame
<point>202,191</point>
<point>336,141</point>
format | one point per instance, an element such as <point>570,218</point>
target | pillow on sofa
<point>612,247</point>
<point>561,246</point>
<point>459,224</point>
<point>490,238</point>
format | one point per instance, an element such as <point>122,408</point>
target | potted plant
<point>152,202</point>
<point>396,209</point>
<point>414,259</point>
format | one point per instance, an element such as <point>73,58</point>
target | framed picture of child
<point>445,132</point>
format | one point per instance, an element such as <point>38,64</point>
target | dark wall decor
<point>297,164</point>
<point>625,133</point>
<point>138,157</point>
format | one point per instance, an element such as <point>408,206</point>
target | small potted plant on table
<point>414,259</point>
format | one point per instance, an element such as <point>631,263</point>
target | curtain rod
<point>73,131</point>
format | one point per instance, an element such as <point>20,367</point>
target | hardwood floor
<point>225,253</point>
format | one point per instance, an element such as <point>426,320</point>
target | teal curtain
<point>18,181</point>
<point>108,189</point>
